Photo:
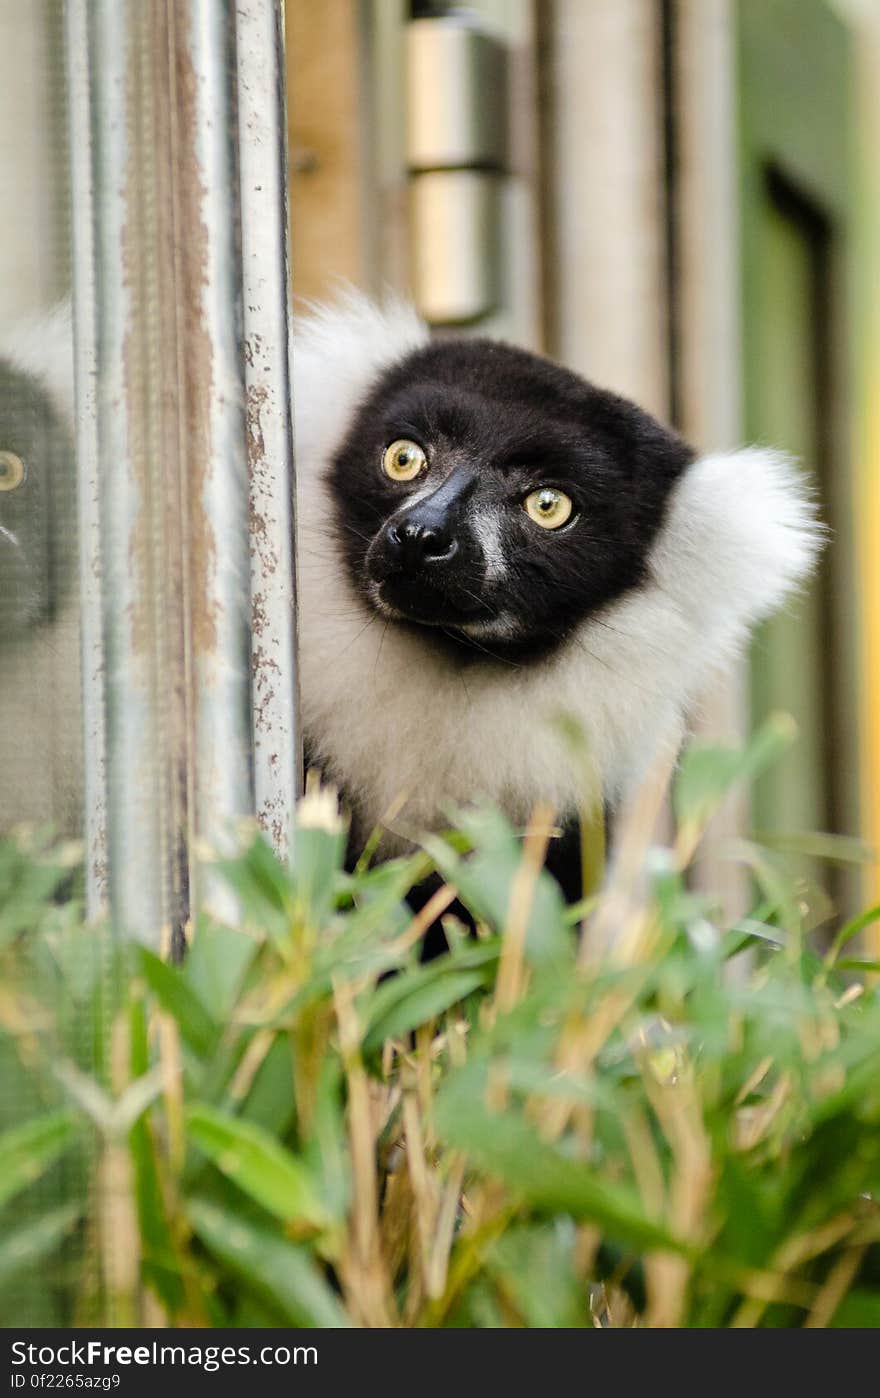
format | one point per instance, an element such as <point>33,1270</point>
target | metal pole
<point>134,830</point>
<point>94,773</point>
<point>173,461</point>
<point>218,543</point>
<point>263,166</point>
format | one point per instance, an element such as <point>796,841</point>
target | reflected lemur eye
<point>404,460</point>
<point>12,470</point>
<point>548,507</point>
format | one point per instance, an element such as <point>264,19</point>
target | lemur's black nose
<point>414,543</point>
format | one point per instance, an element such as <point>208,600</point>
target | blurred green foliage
<point>649,1118</point>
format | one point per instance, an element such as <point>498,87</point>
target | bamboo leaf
<point>505,1145</point>
<point>278,1272</point>
<point>216,965</point>
<point>708,771</point>
<point>851,929</point>
<point>27,1151</point>
<point>860,1310</point>
<point>258,1164</point>
<point>197,1027</point>
<point>406,1001</point>
<point>29,1245</point>
<point>113,1116</point>
<point>424,1003</point>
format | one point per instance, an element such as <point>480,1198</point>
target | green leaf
<point>278,1272</point>
<point>708,771</point>
<point>216,964</point>
<point>326,1146</point>
<point>113,1116</point>
<point>535,1269</point>
<point>413,998</point>
<point>485,882</point>
<point>31,1244</point>
<point>506,1145</point>
<point>774,880</point>
<point>380,913</point>
<point>859,1310</point>
<point>320,842</point>
<point>851,929</point>
<point>27,1151</point>
<point>835,849</point>
<point>157,1242</point>
<point>270,1101</point>
<point>258,1164</point>
<point>197,1027</point>
<point>424,1003</point>
<point>264,887</point>
<point>32,868</point>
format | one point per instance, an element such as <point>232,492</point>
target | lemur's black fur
<point>506,421</point>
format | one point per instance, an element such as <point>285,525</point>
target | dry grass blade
<point>432,911</point>
<point>793,1254</point>
<point>424,1200</point>
<point>172,1088</point>
<point>614,926</point>
<point>119,1235</point>
<point>834,1288</point>
<point>511,966</point>
<point>677,1106</point>
<point>367,1283</point>
<point>444,1229</point>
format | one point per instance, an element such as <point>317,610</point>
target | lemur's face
<point>496,498</point>
<point>37,503</point>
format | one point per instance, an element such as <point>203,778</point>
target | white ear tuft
<point>339,351</point>
<point>741,535</point>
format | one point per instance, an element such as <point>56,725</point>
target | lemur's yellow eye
<point>548,507</point>
<point>12,471</point>
<point>404,460</point>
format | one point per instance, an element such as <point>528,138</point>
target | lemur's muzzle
<point>425,560</point>
<point>413,544</point>
<point>429,532</point>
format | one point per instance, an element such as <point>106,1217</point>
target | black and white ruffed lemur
<point>487,541</point>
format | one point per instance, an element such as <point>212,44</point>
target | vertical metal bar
<point>94,774</point>
<point>711,377</point>
<point>218,545</point>
<point>264,216</point>
<point>609,270</point>
<point>134,830</point>
<point>173,461</point>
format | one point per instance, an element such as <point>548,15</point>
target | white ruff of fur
<point>393,718</point>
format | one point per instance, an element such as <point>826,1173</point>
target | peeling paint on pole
<point>92,647</point>
<point>172,449</point>
<point>262,127</point>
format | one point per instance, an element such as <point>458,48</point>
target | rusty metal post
<point>172,450</point>
<point>83,278</point>
<point>139,900</point>
<point>263,163</point>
